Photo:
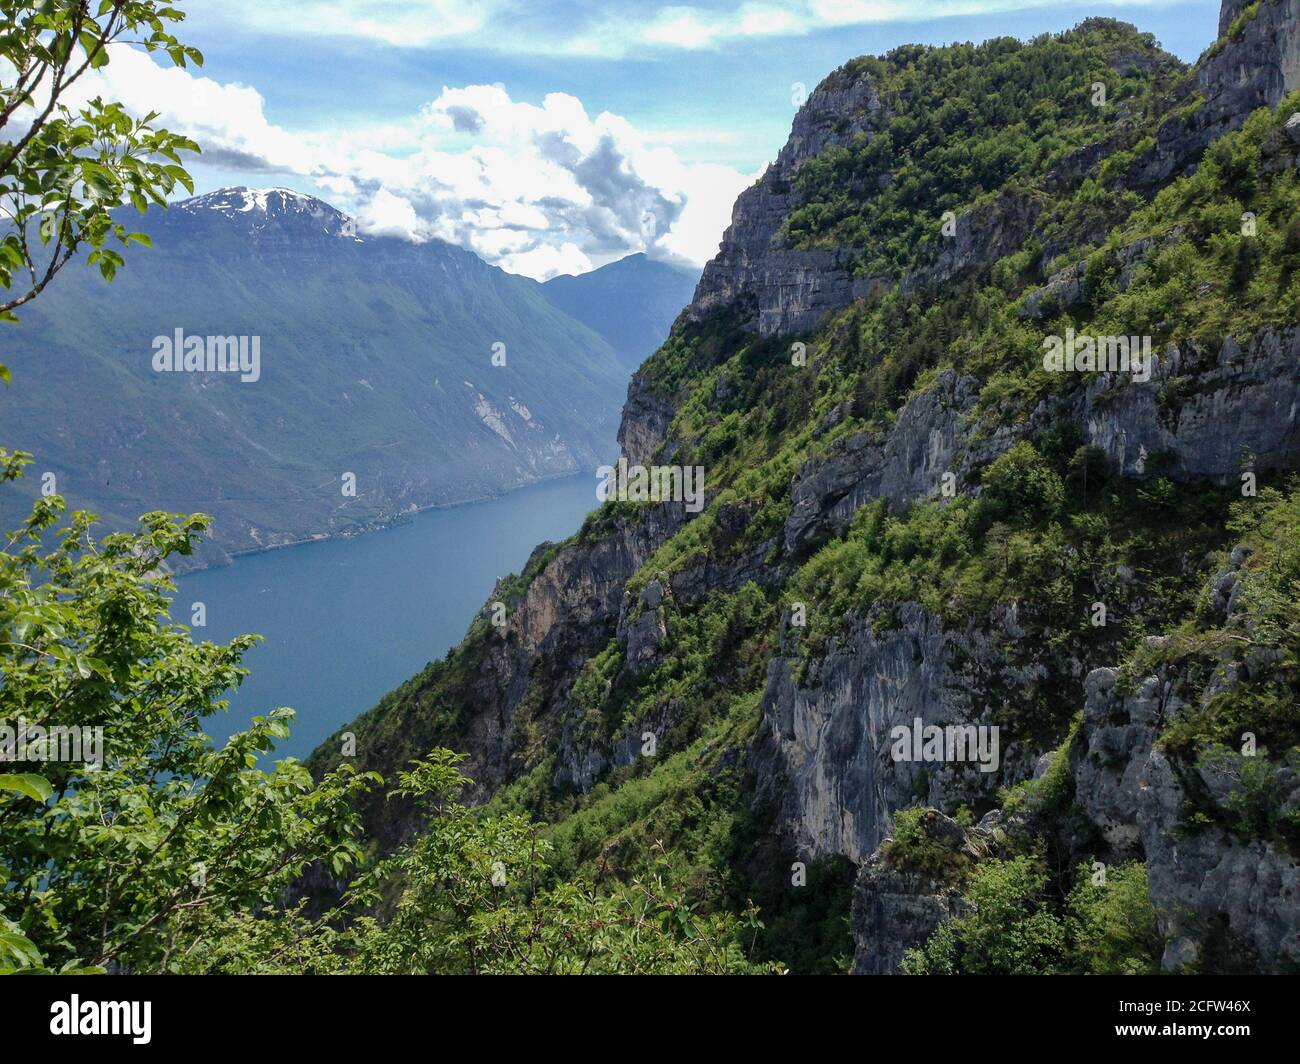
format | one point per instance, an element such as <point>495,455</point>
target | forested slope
<point>912,516</point>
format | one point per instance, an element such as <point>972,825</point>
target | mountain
<point>632,303</point>
<point>376,359</point>
<point>982,654</point>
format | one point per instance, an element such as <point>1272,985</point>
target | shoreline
<point>398,521</point>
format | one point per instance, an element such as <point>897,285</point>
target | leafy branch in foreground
<point>117,862</point>
<point>65,165</point>
<point>164,854</point>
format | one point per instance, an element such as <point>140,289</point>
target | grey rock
<point>1043,765</point>
<point>983,235</point>
<point>1106,774</point>
<point>1240,398</point>
<point>830,731</point>
<point>896,909</point>
<point>643,432</point>
<point>787,291</point>
<point>1062,291</point>
<point>1212,891</point>
<point>904,464</point>
<point>894,912</point>
<point>643,637</point>
<point>652,596</point>
<point>1220,901</point>
<point>1235,78</point>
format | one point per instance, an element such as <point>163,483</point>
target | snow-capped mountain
<point>262,207</point>
<point>376,359</point>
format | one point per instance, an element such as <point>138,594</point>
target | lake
<point>347,620</point>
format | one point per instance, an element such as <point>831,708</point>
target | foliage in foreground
<point>165,854</point>
<point>64,168</point>
<point>465,898</point>
<point>110,860</point>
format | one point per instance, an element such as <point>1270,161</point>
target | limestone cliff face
<point>832,728</point>
<point>930,438</point>
<point>822,753</point>
<point>1208,412</point>
<point>1260,63</point>
<point>1238,409</point>
<point>1253,67</point>
<point>829,730</point>
<point>781,290</point>
<point>1211,890</point>
<point>646,417</point>
<point>570,609</point>
<point>1241,397</point>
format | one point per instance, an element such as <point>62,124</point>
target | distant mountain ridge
<point>632,303</point>
<point>381,358</point>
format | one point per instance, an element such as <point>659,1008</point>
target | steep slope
<point>916,519</point>
<point>631,303</point>
<point>376,358</point>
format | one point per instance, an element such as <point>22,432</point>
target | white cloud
<point>714,190</point>
<point>403,23</point>
<point>611,31</point>
<point>539,189</point>
<point>545,261</point>
<point>389,215</point>
<point>228,120</point>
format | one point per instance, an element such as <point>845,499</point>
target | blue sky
<point>546,136</point>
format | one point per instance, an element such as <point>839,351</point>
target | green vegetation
<point>467,898</point>
<point>1017,927</point>
<point>913,846</point>
<point>164,854</point>
<point>1053,530</point>
<point>677,859</point>
<point>121,858</point>
<point>963,122</point>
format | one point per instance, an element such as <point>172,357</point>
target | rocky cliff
<point>914,522</point>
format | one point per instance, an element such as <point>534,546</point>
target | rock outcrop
<point>1253,64</point>
<point>928,439</point>
<point>832,728</point>
<point>1211,413</point>
<point>1222,902</point>
<point>897,907</point>
<point>1204,414</point>
<point>782,290</point>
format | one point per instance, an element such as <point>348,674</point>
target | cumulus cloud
<point>228,120</point>
<point>538,189</point>
<point>388,215</point>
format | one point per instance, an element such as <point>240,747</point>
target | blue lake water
<point>348,620</point>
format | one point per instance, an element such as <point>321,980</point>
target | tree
<point>1021,487</point>
<point>465,897</point>
<point>119,858</point>
<point>1009,931</point>
<point>1014,926</point>
<point>152,851</point>
<point>63,168</point>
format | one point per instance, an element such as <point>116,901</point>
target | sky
<point>547,136</point>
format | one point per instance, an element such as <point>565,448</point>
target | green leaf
<point>35,787</point>
<point>20,948</point>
